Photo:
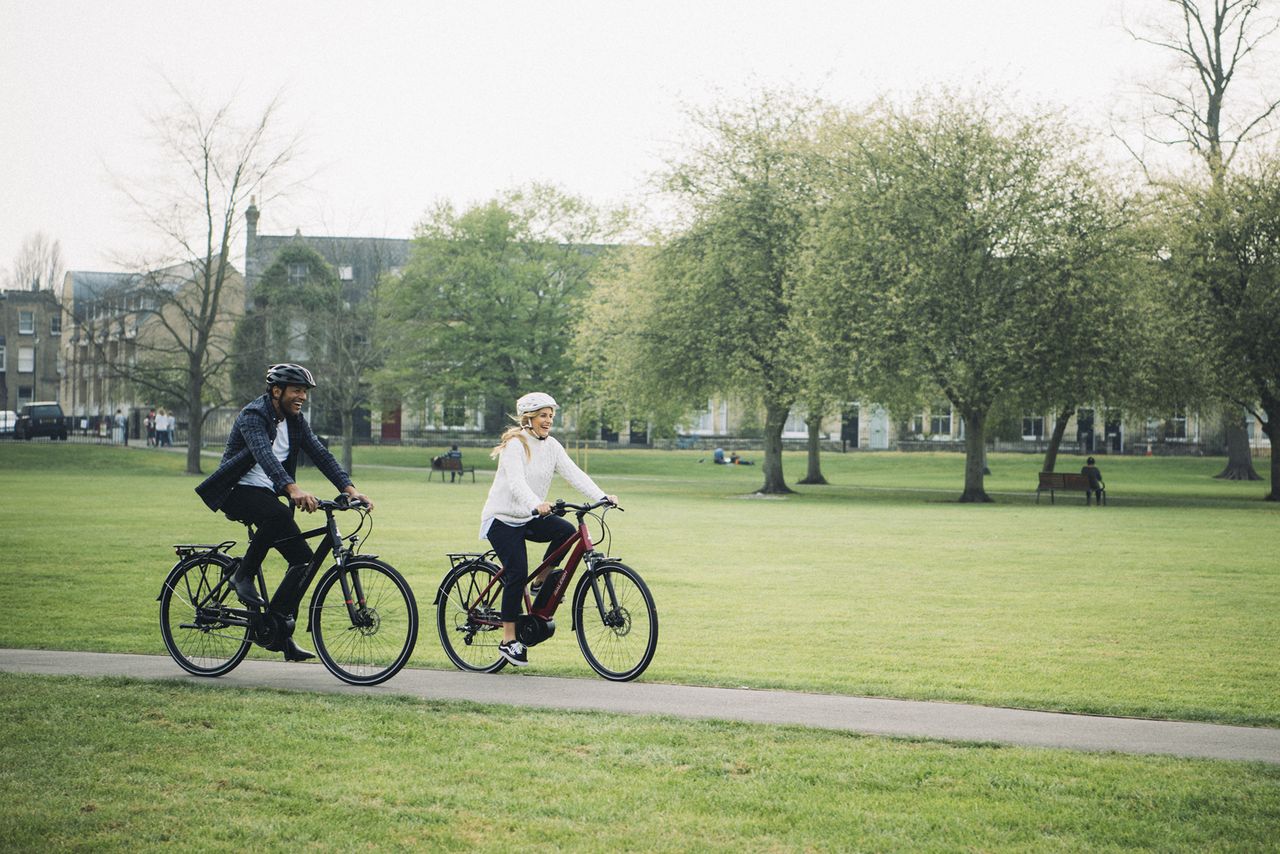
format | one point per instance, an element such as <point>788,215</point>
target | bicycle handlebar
<point>342,502</point>
<point>561,507</point>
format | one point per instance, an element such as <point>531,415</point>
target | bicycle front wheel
<point>615,621</point>
<point>364,621</point>
<point>467,617</point>
<point>193,617</point>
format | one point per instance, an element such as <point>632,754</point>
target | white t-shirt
<point>280,447</point>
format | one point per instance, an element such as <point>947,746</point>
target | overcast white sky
<point>406,103</point>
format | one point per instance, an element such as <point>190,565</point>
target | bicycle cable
<point>364,517</point>
<point>606,535</point>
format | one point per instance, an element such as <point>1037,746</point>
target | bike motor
<point>531,630</point>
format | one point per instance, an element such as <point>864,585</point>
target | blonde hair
<point>515,432</point>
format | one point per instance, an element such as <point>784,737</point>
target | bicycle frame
<point>332,544</point>
<point>578,545</point>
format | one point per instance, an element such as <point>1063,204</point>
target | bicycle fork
<point>353,596</point>
<point>609,615</point>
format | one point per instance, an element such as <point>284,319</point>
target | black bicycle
<point>363,618</point>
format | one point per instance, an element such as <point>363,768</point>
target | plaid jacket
<point>250,442</point>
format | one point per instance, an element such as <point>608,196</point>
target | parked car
<point>7,419</point>
<point>42,418</point>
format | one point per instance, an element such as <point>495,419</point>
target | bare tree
<point>214,163</point>
<point>1216,43</point>
<point>39,265</point>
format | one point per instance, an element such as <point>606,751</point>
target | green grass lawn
<point>1165,604</point>
<point>111,764</point>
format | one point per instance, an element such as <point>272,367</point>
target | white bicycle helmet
<point>533,401</point>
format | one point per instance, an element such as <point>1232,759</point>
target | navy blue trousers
<point>508,541</point>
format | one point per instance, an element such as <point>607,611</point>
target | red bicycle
<point>612,610</point>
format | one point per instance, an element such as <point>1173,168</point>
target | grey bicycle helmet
<point>287,373</point>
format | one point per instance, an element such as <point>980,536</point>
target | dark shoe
<point>293,652</point>
<point>514,652</point>
<point>247,592</point>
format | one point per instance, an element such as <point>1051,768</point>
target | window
<point>55,324</point>
<point>26,322</point>
<point>297,349</point>
<point>346,274</point>
<point>706,420</point>
<point>917,424</point>
<point>26,360</point>
<point>1175,428</point>
<point>940,419</point>
<point>1032,426</point>
<point>297,273</point>
<point>455,414</point>
<point>796,423</point>
<point>2,365</point>
<point>26,394</point>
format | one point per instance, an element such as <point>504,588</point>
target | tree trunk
<point>195,422</point>
<point>348,435</point>
<point>1239,463</point>
<point>814,475</point>
<point>1055,441</point>
<point>974,458</point>
<point>1271,406</point>
<point>775,419</point>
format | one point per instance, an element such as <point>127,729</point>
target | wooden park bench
<point>446,465</point>
<point>1053,481</point>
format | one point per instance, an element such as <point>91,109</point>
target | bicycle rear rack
<point>188,549</point>
<point>456,559</point>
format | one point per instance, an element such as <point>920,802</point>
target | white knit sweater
<point>522,483</point>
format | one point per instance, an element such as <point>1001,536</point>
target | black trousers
<point>273,518</point>
<point>508,541</point>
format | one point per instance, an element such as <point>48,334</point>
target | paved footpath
<point>945,721</point>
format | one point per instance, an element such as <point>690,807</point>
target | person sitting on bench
<point>1096,486</point>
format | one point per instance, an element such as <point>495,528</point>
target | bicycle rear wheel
<point>369,642</point>
<point>193,619</point>
<point>615,621</point>
<point>468,619</point>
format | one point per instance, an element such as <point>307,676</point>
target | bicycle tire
<point>199,642</point>
<point>374,646</point>
<point>471,644</point>
<point>620,644</point>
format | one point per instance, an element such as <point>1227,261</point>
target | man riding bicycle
<point>258,466</point>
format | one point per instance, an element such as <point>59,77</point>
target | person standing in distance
<point>517,509</point>
<point>257,468</point>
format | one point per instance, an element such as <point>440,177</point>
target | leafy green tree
<point>1226,257</point>
<point>1217,46</point>
<point>1096,333</point>
<point>934,259</point>
<point>484,310</point>
<point>717,315</point>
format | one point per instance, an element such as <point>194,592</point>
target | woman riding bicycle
<point>517,509</point>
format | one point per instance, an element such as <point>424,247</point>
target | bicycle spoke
<point>618,631</point>
<point>191,634</point>
<point>365,643</point>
